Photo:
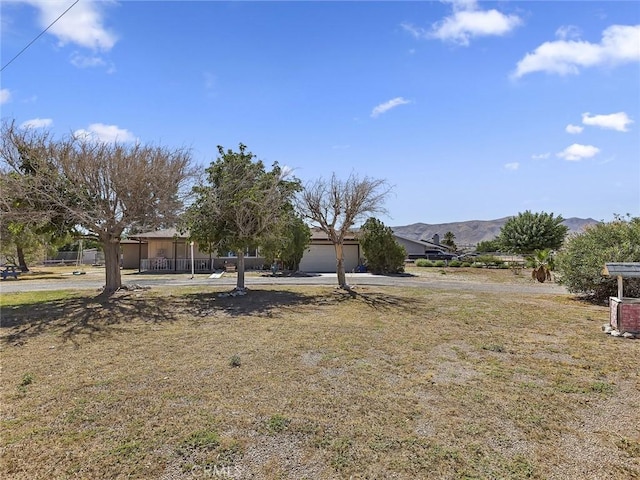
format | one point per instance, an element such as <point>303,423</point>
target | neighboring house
<point>170,251</point>
<point>419,248</point>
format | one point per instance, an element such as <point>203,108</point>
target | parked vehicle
<point>441,256</point>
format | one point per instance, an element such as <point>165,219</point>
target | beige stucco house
<point>170,251</point>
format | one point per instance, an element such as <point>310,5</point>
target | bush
<point>487,260</point>
<point>455,263</point>
<point>465,264</point>
<point>583,257</point>
<point>439,263</point>
<point>381,250</point>
<point>423,262</point>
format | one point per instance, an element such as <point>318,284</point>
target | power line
<point>41,33</point>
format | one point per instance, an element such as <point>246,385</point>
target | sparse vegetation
<point>235,361</point>
<point>368,383</point>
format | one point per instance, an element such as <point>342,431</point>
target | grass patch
<point>17,299</point>
<point>381,382</point>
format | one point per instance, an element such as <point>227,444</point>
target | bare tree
<point>105,189</point>
<point>335,206</point>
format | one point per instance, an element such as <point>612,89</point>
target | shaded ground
<point>311,382</point>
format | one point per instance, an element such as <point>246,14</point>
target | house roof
<point>166,233</point>
<point>318,235</point>
<point>424,243</point>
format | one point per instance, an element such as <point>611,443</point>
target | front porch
<point>200,265</point>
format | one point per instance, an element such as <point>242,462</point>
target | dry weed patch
<point>311,382</point>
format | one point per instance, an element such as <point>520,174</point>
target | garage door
<point>322,259</point>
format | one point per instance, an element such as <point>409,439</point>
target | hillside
<point>473,231</point>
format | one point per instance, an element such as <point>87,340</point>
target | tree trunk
<point>21,261</point>
<point>113,280</point>
<point>240,270</point>
<point>342,278</point>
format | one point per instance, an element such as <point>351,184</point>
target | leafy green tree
<point>288,243</point>
<point>449,241</point>
<point>381,250</point>
<point>240,205</point>
<point>581,261</point>
<point>528,232</point>
<point>488,246</point>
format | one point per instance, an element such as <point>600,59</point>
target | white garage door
<point>322,259</point>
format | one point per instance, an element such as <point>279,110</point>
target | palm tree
<point>449,238</point>
<point>542,263</point>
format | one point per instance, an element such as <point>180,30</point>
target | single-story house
<point>170,251</point>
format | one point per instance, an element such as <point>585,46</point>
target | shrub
<point>465,264</point>
<point>583,257</point>
<point>277,423</point>
<point>235,361</point>
<point>455,263</point>
<point>381,250</point>
<point>439,263</point>
<point>423,262</point>
<point>487,260</point>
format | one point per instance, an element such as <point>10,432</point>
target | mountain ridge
<point>471,232</point>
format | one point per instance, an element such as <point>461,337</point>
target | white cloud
<point>105,133</point>
<point>87,61</point>
<point>5,96</point>
<point>541,156</point>
<point>37,123</point>
<point>568,32</point>
<point>416,32</point>
<point>577,152</point>
<point>466,22</point>
<point>81,25</point>
<point>620,44</point>
<point>614,121</point>
<point>574,129</point>
<point>512,166</point>
<point>384,107</point>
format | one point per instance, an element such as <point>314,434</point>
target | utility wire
<point>41,33</point>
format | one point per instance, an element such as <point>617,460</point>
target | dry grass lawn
<point>310,382</point>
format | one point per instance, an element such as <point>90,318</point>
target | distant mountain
<point>473,231</point>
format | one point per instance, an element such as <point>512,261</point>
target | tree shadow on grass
<point>380,300</point>
<point>91,318</point>
<point>259,303</point>
<point>82,317</point>
<point>270,303</point>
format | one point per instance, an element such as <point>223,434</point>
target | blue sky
<point>470,110</point>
